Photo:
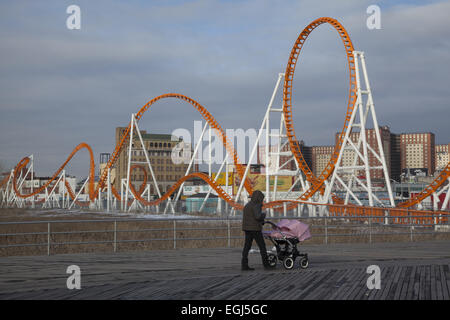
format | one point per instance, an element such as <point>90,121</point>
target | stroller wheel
<point>272,260</point>
<point>303,263</point>
<point>288,263</point>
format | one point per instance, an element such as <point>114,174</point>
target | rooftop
<point>159,136</point>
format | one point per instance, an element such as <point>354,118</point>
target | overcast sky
<point>60,87</point>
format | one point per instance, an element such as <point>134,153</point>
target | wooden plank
<point>244,282</point>
<point>433,288</point>
<point>245,292</point>
<point>422,283</point>
<point>437,273</point>
<point>334,284</point>
<point>323,286</point>
<point>416,285</point>
<point>399,284</point>
<point>307,284</point>
<point>218,287</point>
<point>410,289</point>
<point>360,288</point>
<point>389,283</point>
<point>152,290</point>
<point>428,282</point>
<point>395,283</point>
<point>348,282</point>
<point>313,285</point>
<point>445,289</point>
<point>189,288</point>
<point>268,285</point>
<point>358,276</point>
<point>447,277</point>
<point>286,284</point>
<point>406,283</point>
<point>292,285</point>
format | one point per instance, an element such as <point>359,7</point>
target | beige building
<point>169,157</point>
<point>320,156</point>
<point>418,151</point>
<point>442,156</point>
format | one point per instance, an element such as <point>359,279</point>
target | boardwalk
<point>408,271</point>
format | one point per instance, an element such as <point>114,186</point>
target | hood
<point>257,197</point>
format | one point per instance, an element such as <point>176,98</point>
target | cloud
<point>59,87</point>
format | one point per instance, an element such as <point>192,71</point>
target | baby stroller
<point>285,236</point>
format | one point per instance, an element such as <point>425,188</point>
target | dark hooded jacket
<point>253,217</point>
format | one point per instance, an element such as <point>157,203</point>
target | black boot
<point>268,267</point>
<point>265,261</point>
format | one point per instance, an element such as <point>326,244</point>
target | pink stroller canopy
<point>291,229</point>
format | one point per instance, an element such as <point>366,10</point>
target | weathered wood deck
<point>408,271</point>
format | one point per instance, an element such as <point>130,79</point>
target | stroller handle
<point>272,224</point>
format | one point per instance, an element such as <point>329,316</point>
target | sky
<point>61,87</point>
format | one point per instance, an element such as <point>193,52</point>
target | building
<point>396,165</point>
<point>287,161</point>
<point>417,151</point>
<point>104,159</point>
<point>168,155</point>
<point>348,156</point>
<point>320,156</point>
<point>442,156</point>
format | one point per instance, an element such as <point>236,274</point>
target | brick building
<point>442,156</point>
<point>371,138</point>
<point>160,149</point>
<point>417,150</point>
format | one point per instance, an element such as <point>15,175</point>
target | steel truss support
<point>8,191</point>
<point>209,161</point>
<point>135,132</point>
<point>346,176</point>
<point>52,198</point>
<point>276,169</point>
<point>9,197</point>
<point>444,205</point>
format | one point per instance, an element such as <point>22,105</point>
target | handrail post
<point>229,233</point>
<point>48,238</point>
<point>115,235</point>
<point>174,234</point>
<point>370,224</point>
<point>410,225</point>
<point>326,231</point>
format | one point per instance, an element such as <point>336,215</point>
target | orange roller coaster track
<point>317,183</point>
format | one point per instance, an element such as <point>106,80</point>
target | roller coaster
<point>315,190</point>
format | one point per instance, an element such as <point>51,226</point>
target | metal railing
<point>200,229</point>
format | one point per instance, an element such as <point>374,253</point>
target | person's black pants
<point>258,237</point>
